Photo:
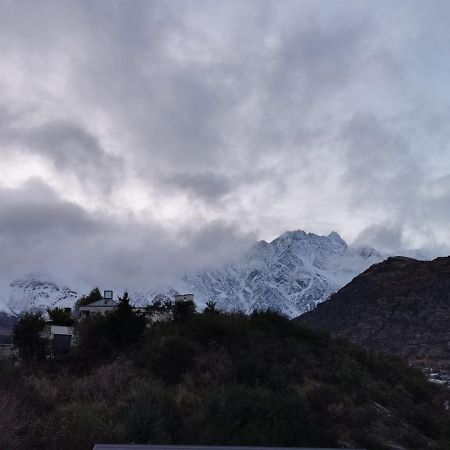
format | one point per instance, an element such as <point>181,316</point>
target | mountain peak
<point>291,274</point>
<point>334,235</point>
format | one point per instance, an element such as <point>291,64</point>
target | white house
<point>99,307</point>
<point>60,337</point>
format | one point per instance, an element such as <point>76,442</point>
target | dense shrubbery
<point>60,316</point>
<point>27,337</point>
<point>94,296</point>
<point>216,378</point>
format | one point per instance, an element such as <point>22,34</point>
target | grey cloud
<point>71,148</point>
<point>34,212</point>
<point>208,186</point>
<point>306,109</point>
<point>385,238</point>
<point>41,231</point>
<point>67,145</point>
<point>386,175</point>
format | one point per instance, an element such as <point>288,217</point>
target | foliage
<point>93,296</point>
<point>98,337</point>
<point>124,325</point>
<point>210,306</point>
<point>27,336</point>
<point>159,310</point>
<point>216,378</point>
<point>60,316</point>
<point>183,310</point>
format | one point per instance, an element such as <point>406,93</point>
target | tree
<point>27,336</point>
<point>158,310</point>
<point>59,316</point>
<point>125,325</point>
<point>92,297</point>
<point>183,310</point>
<point>211,306</point>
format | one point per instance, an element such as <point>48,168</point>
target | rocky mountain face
<point>401,306</point>
<point>291,274</point>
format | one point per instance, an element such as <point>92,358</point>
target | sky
<point>140,139</point>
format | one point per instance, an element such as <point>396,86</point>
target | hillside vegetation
<point>401,306</point>
<point>216,378</point>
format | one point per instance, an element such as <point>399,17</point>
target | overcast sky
<point>140,138</point>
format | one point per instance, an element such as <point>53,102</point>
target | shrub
<point>27,337</point>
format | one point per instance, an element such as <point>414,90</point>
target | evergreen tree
<point>60,317</point>
<point>183,310</point>
<point>92,297</point>
<point>27,336</point>
<point>125,324</point>
<point>210,306</point>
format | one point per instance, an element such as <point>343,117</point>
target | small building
<point>99,307</point>
<point>184,298</point>
<point>60,337</point>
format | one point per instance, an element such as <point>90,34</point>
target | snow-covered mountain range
<point>36,291</point>
<point>290,274</point>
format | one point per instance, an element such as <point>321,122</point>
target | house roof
<point>101,304</point>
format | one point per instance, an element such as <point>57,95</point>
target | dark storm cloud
<point>35,211</point>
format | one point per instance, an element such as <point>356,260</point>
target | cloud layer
<point>152,137</point>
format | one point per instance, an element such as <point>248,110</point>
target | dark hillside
<point>225,379</point>
<point>401,306</point>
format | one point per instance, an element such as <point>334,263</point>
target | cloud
<point>69,147</point>
<point>207,186</point>
<point>178,116</point>
<point>41,231</point>
<point>385,238</point>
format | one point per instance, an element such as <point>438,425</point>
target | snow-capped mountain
<point>37,291</point>
<point>291,274</point>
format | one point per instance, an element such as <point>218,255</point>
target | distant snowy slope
<point>38,291</point>
<point>291,274</point>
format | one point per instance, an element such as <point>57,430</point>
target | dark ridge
<point>400,306</point>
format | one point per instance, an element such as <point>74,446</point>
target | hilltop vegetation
<point>400,306</point>
<point>216,378</point>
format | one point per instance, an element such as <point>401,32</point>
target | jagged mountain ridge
<point>291,274</point>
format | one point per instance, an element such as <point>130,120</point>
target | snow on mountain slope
<point>291,274</point>
<point>37,291</point>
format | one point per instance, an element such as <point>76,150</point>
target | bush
<point>27,337</point>
<point>59,316</point>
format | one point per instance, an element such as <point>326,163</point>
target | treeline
<point>172,375</point>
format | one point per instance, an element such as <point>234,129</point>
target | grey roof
<point>196,447</point>
<point>101,303</point>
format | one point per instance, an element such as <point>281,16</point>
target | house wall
<point>88,310</point>
<point>59,329</point>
